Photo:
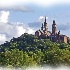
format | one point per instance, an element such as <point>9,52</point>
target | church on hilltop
<point>54,36</point>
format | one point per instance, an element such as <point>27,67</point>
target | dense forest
<point>28,50</point>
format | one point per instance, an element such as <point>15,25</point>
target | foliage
<point>28,50</point>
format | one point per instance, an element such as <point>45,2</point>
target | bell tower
<point>54,28</point>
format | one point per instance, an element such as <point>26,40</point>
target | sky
<point>20,16</point>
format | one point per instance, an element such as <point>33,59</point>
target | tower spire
<point>45,19</point>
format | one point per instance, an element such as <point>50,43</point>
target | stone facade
<point>54,36</point>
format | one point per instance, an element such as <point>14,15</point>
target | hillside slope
<point>28,50</point>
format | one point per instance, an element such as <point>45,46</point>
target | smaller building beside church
<point>54,36</point>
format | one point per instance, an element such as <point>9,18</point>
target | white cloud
<point>4,16</point>
<point>10,30</point>
<point>2,37</point>
<point>30,31</point>
<point>17,5</point>
<point>41,19</point>
<point>20,5</point>
<point>20,30</point>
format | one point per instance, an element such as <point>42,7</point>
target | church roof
<point>49,32</point>
<point>63,35</point>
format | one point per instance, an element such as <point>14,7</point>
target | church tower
<point>45,26</point>
<point>54,28</point>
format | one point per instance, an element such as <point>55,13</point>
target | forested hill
<point>28,50</point>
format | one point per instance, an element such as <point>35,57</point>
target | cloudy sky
<point>20,16</point>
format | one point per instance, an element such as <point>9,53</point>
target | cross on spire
<point>54,16</point>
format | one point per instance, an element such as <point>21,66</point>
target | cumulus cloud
<point>21,30</point>
<point>10,30</point>
<point>41,19</point>
<point>30,31</point>
<point>4,16</point>
<point>3,37</point>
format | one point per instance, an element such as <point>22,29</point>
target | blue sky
<point>61,12</point>
<point>20,16</point>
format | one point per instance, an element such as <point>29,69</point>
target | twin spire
<point>44,27</point>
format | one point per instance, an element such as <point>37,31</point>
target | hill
<point>28,50</point>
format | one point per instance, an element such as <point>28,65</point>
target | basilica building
<point>54,36</point>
